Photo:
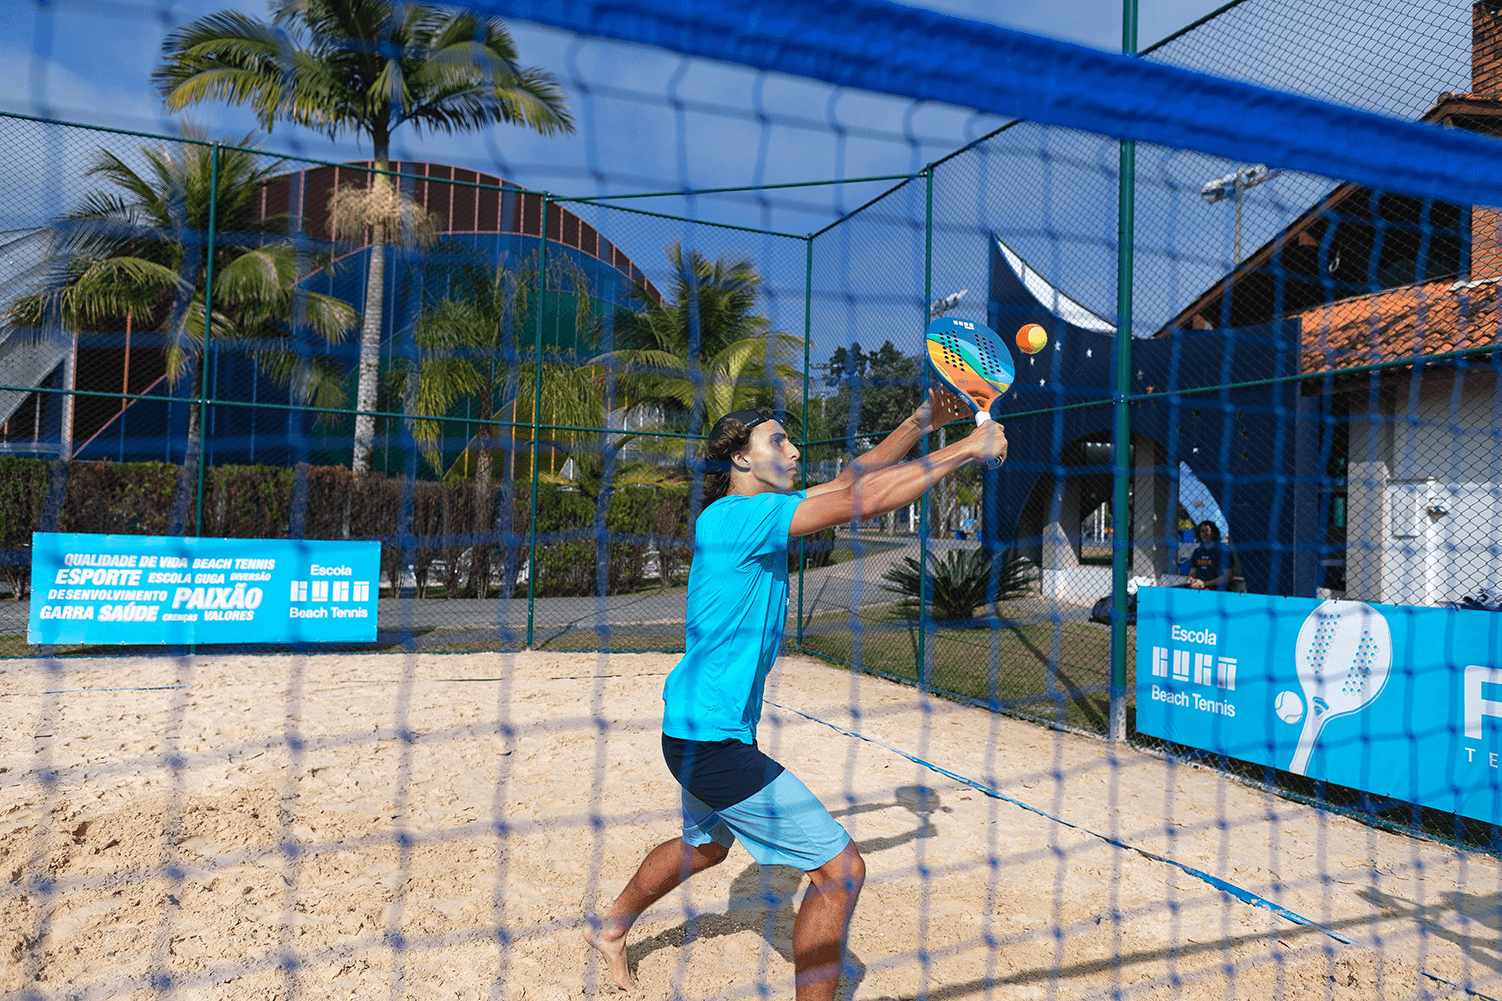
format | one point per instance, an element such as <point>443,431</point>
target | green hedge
<point>23,489</point>
<point>568,552</point>
<point>261,502</point>
<point>128,498</point>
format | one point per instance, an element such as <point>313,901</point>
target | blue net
<point>1194,696</point>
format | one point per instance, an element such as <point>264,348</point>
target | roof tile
<point>1424,319</point>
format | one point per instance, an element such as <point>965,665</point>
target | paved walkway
<point>825,589</point>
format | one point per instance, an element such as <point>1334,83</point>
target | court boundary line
<point>1240,893</point>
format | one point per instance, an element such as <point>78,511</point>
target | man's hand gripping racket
<point>971,362</point>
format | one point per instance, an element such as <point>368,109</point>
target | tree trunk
<point>370,341</point>
<point>69,404</point>
<point>506,514</point>
<point>479,574</point>
<point>184,507</point>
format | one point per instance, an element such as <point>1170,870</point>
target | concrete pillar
<point>1367,475</point>
<point>1155,508</point>
<point>1062,528</point>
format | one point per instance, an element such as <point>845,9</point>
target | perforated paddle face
<point>1343,655</point>
<point>969,360</point>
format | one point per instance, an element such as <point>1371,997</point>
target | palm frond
<point>960,582</point>
<point>318,381</point>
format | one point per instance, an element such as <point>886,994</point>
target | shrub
<point>248,502</point>
<point>449,523</point>
<point>341,505</point>
<point>644,518</point>
<point>960,582</point>
<point>671,536</point>
<point>565,544</point>
<point>327,499</point>
<point>818,551</point>
<point>428,501</point>
<point>127,498</point>
<point>23,489</point>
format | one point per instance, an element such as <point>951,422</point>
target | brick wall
<point>1486,48</point>
<point>1486,81</point>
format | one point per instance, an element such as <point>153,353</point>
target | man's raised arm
<point>888,489</point>
<point>940,408</point>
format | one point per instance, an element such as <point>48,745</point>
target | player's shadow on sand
<point>765,898</point>
<point>1472,921</point>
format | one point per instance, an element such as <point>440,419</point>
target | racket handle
<point>981,416</point>
<point>1313,724</point>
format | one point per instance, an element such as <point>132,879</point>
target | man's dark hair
<point>726,438</point>
<point>1214,529</point>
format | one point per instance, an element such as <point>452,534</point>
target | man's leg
<point>823,921</point>
<point>664,868</point>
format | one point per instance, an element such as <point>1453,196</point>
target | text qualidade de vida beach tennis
<point>220,589</point>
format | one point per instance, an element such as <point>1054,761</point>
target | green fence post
<point>542,289</point>
<point>928,294</point>
<point>808,326</point>
<point>1121,433</point>
<point>208,325</point>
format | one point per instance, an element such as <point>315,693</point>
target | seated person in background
<point>1210,566</point>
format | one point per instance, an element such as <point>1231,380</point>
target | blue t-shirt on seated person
<point>737,608</point>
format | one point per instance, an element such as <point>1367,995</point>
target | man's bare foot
<point>611,944</point>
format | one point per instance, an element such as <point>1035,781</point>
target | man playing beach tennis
<point>737,608</point>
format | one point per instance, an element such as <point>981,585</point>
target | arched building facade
<point>478,217</point>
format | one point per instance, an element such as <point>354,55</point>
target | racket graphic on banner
<point>971,362</point>
<point>1343,655</point>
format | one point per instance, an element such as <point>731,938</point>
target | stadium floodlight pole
<point>808,326</point>
<point>542,289</point>
<point>1121,432</point>
<point>208,325</point>
<point>1232,186</point>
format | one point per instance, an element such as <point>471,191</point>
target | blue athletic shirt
<point>737,608</point>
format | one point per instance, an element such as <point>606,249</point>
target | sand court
<point>433,826</point>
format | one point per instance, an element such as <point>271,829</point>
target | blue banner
<point>1400,701</point>
<point>128,589</point>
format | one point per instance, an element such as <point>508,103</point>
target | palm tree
<point>139,252</point>
<point>704,348</point>
<point>367,67</point>
<point>474,343</point>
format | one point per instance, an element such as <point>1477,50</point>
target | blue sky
<point>89,61</point>
<point>1052,194</point>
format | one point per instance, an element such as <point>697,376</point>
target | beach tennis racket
<point>1343,655</point>
<point>971,362</point>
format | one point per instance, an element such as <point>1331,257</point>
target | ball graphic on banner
<point>1031,338</point>
<point>1289,707</point>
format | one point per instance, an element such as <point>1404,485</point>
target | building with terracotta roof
<point>1412,485</point>
<point>1383,484</point>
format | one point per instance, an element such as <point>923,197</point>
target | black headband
<point>750,418</point>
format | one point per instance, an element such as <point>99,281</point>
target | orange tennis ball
<point>1031,338</point>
